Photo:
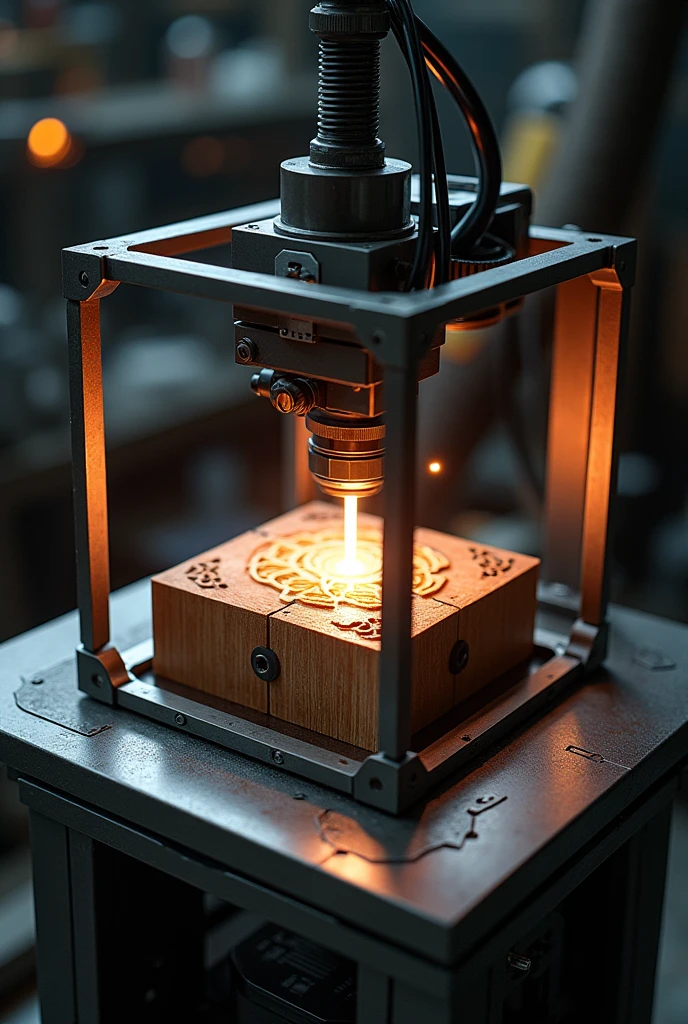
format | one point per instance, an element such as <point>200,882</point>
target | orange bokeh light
<point>49,142</point>
<point>435,467</point>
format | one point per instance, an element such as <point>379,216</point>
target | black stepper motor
<point>280,978</point>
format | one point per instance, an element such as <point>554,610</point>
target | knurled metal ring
<point>335,432</point>
<point>325,21</point>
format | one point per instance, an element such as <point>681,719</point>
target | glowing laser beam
<point>350,564</point>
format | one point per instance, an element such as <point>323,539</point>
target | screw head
<point>277,756</point>
<point>245,351</point>
<point>458,659</point>
<point>265,664</point>
<point>84,279</point>
<point>180,719</point>
<point>97,680</point>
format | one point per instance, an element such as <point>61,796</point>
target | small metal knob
<point>289,395</point>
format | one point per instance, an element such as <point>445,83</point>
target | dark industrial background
<point>167,109</point>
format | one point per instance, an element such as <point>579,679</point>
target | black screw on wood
<point>265,664</point>
<point>458,659</point>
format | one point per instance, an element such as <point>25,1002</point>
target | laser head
<point>345,455</point>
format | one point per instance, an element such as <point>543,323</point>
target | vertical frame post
<point>394,702</point>
<point>610,347</point>
<point>89,471</point>
<point>575,325</point>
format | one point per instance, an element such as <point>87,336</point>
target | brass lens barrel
<point>346,456</point>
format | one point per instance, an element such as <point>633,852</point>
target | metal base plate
<point>442,748</point>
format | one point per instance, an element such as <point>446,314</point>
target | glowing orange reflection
<point>435,467</point>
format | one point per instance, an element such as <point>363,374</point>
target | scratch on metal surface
<point>596,758</point>
<point>346,836</point>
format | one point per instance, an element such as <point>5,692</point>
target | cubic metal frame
<point>593,276</point>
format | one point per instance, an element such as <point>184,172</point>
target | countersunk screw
<point>180,719</point>
<point>277,756</point>
<point>265,664</point>
<point>97,680</point>
<point>83,278</point>
<point>245,351</point>
<point>458,659</point>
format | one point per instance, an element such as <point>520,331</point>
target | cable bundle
<point>423,51</point>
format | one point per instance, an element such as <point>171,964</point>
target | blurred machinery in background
<point>116,114</point>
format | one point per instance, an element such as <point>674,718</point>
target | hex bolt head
<point>265,664</point>
<point>277,756</point>
<point>180,719</point>
<point>458,659</point>
<point>246,351</point>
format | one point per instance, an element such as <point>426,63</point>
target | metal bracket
<point>302,266</point>
<point>101,673</point>
<point>391,785</point>
<point>588,644</point>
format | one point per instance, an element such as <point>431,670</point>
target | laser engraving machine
<point>422,758</point>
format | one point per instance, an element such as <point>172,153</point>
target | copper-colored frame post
<point>601,480</point>
<point>591,324</point>
<point>573,354</point>
<point>89,471</point>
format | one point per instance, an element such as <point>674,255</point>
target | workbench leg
<point>410,1006</point>
<point>640,902</point>
<point>85,926</point>
<point>464,999</point>
<point>138,939</point>
<point>52,898</point>
<point>373,996</point>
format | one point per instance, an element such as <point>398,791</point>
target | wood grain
<point>495,592</point>
<point>329,678</point>
<point>204,632</point>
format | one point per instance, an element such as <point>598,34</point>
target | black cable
<point>444,239</point>
<point>422,48</point>
<point>405,31</point>
<point>476,221</point>
<point>432,163</point>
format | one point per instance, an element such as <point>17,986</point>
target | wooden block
<point>329,677</point>
<point>495,592</point>
<point>209,614</point>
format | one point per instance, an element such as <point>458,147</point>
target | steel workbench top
<point>435,881</point>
